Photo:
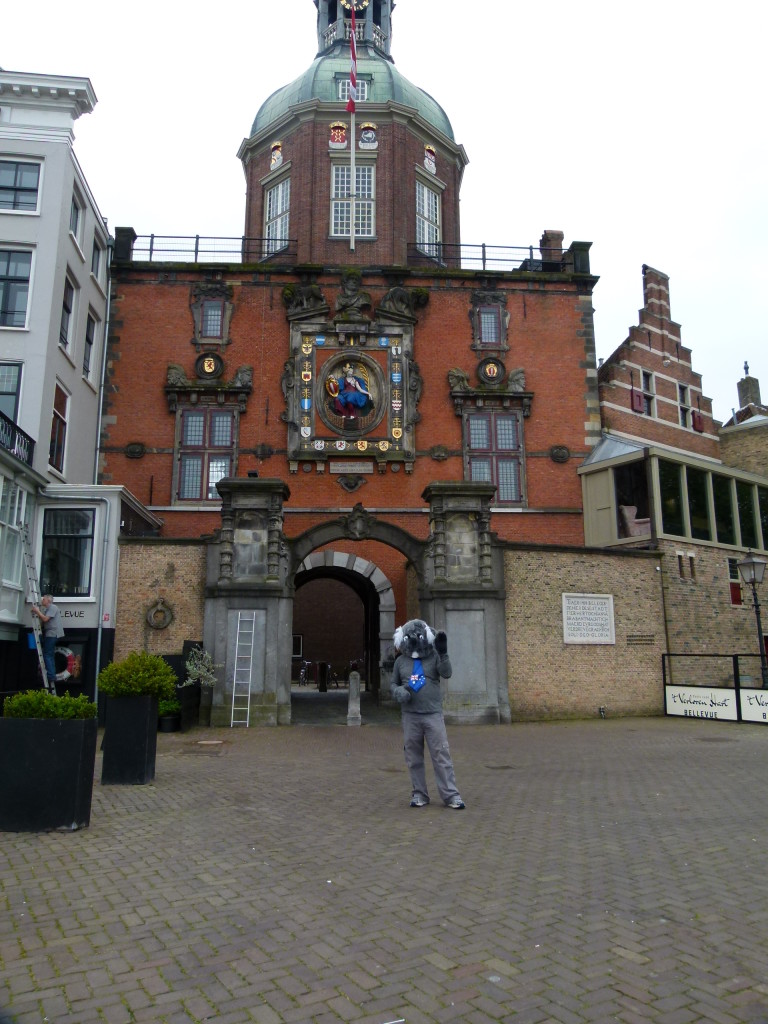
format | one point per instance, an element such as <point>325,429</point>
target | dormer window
<point>362,90</point>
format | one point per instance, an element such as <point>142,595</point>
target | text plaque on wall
<point>588,619</point>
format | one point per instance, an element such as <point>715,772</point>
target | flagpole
<point>351,109</point>
<point>353,180</point>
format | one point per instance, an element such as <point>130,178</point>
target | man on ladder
<point>50,620</point>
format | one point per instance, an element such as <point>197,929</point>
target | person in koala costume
<point>422,660</point>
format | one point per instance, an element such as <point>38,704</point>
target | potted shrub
<point>47,756</point>
<point>169,715</point>
<point>202,671</point>
<point>133,687</point>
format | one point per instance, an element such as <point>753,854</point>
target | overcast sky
<point>640,127</point>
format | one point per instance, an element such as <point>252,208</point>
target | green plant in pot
<point>47,756</point>
<point>133,688</point>
<point>201,671</point>
<point>169,714</point>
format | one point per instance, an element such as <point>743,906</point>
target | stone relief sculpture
<point>302,298</point>
<point>351,299</point>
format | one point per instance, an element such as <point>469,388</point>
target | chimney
<point>551,247</point>
<point>749,389</point>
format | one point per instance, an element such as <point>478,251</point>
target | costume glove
<point>402,694</point>
<point>441,642</point>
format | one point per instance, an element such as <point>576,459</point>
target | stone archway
<point>339,563</point>
<point>252,566</point>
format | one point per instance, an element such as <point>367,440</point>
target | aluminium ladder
<point>241,684</point>
<point>34,594</point>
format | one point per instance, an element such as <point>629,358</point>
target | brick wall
<point>746,446</point>
<point>150,571</point>
<point>153,327</point>
<point>701,618</point>
<point>549,679</point>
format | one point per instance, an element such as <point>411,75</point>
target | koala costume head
<point>415,639</point>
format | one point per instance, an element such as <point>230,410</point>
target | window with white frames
<point>649,393</point>
<point>76,216</point>
<point>97,256</point>
<point>14,508</point>
<point>15,274</point>
<point>206,452</point>
<point>362,89</point>
<point>684,403</point>
<point>734,582</point>
<point>489,325</point>
<point>59,428</point>
<point>427,220</point>
<point>67,313</point>
<point>67,552</point>
<point>365,200</point>
<point>211,318</point>
<point>494,452</point>
<point>277,216</point>
<point>10,386</point>
<point>19,185</point>
<point>91,326</point>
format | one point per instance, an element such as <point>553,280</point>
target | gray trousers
<point>417,729</point>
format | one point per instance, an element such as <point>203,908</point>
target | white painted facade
<point>54,311</point>
<point>50,359</point>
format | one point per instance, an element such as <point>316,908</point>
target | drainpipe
<point>72,496</point>
<point>107,328</point>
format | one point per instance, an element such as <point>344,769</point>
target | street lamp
<point>752,569</point>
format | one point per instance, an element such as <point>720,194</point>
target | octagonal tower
<point>297,159</point>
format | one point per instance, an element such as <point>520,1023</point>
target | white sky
<point>638,127</point>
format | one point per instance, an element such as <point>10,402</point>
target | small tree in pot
<point>133,687</point>
<point>47,755</point>
<point>201,670</point>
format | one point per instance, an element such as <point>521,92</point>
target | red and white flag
<point>352,65</point>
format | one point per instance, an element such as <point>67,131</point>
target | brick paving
<point>603,871</point>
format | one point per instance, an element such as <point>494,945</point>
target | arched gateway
<point>252,568</point>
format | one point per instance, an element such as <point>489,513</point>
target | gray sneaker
<point>456,803</point>
<point>417,800</point>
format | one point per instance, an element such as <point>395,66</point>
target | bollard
<point>353,705</point>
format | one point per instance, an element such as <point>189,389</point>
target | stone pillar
<point>353,702</point>
<point>463,593</point>
<point>248,572</point>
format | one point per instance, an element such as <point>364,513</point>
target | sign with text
<point>588,619</point>
<point>754,706</point>
<point>702,702</point>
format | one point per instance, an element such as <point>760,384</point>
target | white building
<point>54,307</point>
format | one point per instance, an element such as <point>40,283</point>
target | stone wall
<point>746,446</point>
<point>549,679</point>
<point>701,615</point>
<point>154,571</point>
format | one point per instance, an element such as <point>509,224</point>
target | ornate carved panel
<point>352,393</point>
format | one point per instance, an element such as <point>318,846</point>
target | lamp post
<point>752,569</point>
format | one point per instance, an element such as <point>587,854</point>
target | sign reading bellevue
<point>588,619</point>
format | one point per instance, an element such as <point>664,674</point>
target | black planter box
<point>46,768</point>
<point>130,741</point>
<point>189,698</point>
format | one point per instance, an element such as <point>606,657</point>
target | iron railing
<point>486,257</point>
<point>14,440</point>
<point>213,249</point>
<point>438,255</point>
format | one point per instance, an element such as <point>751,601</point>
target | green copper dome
<point>319,82</point>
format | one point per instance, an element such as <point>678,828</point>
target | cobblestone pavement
<point>603,871</point>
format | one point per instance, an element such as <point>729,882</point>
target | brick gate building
<point>397,424</point>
